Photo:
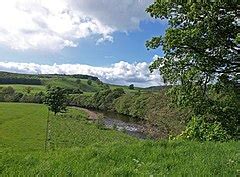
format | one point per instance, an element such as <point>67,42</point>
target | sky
<point>103,38</point>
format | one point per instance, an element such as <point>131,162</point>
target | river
<point>127,124</point>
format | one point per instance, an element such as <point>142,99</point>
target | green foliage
<point>56,100</point>
<point>131,87</point>
<point>198,129</point>
<point>7,90</point>
<point>107,104</point>
<point>200,52</point>
<point>73,84</point>
<point>13,78</point>
<point>39,97</point>
<point>28,89</point>
<point>22,88</point>
<point>8,94</point>
<point>199,40</point>
<point>89,82</point>
<point>162,119</point>
<point>102,100</point>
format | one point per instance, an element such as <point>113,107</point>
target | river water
<point>127,124</point>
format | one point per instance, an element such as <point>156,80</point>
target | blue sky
<point>129,47</point>
<point>105,36</point>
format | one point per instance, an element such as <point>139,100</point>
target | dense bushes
<point>8,94</point>
<point>162,119</point>
<point>102,100</point>
<point>218,105</point>
<point>198,129</point>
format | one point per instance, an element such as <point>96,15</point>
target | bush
<point>131,87</point>
<point>26,98</point>
<point>8,90</point>
<point>89,82</point>
<point>39,97</point>
<point>198,129</point>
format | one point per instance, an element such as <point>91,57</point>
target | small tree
<point>89,82</point>
<point>131,87</point>
<point>56,100</point>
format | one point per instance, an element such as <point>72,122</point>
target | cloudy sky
<point>104,38</point>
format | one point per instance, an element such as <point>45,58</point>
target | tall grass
<point>141,158</point>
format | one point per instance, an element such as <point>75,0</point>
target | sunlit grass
<point>79,148</point>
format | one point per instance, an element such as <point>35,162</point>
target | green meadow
<point>77,147</point>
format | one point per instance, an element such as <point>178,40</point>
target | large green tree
<point>201,57</point>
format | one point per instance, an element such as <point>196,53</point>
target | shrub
<point>89,82</point>
<point>8,90</point>
<point>198,129</point>
<point>131,87</point>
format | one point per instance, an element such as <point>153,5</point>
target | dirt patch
<point>91,114</point>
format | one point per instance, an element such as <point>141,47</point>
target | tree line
<point>9,94</point>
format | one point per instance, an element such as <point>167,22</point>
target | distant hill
<point>66,81</point>
<point>76,81</point>
<point>8,76</point>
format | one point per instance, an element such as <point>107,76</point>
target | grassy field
<point>79,148</point>
<point>22,88</point>
<point>72,84</point>
<point>22,126</point>
<point>64,83</point>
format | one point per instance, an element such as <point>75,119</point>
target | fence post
<point>47,130</point>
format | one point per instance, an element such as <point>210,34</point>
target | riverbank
<point>162,119</point>
<point>91,115</point>
<point>118,122</point>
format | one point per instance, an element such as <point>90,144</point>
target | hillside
<point>64,81</point>
<point>77,147</point>
<point>41,81</point>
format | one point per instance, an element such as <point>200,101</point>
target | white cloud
<point>122,72</point>
<point>122,14</point>
<point>49,24</point>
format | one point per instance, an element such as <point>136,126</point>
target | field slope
<point>79,148</point>
<point>22,126</point>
